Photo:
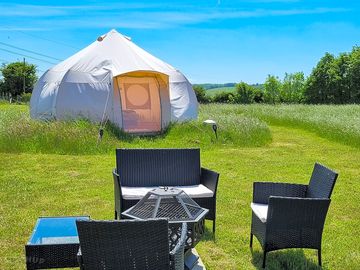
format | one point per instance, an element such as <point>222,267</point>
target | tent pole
<point>101,129</point>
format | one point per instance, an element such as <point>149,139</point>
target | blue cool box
<point>54,243</point>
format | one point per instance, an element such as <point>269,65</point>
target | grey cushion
<point>260,210</point>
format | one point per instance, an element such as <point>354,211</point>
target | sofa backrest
<point>124,244</point>
<point>158,167</point>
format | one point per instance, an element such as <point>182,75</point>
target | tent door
<point>140,104</point>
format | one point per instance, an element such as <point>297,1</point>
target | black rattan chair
<point>129,244</point>
<point>292,215</point>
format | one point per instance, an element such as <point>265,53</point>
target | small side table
<point>54,243</point>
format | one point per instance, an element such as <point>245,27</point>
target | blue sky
<point>209,41</point>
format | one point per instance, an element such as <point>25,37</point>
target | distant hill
<point>214,91</point>
<point>214,88</point>
<point>208,86</point>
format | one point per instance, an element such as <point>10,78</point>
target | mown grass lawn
<point>34,184</point>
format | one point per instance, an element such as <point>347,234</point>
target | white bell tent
<point>114,79</point>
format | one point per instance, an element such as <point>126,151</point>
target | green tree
<point>258,95</point>
<point>272,89</point>
<point>224,97</point>
<point>292,88</point>
<point>200,93</point>
<point>341,84</point>
<point>13,78</point>
<point>244,93</point>
<point>1,86</point>
<point>321,84</point>
<point>354,75</point>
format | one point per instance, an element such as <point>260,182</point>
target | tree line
<point>334,80</point>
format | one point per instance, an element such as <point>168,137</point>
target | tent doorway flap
<point>140,104</point>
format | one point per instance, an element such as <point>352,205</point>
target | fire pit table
<point>175,205</point>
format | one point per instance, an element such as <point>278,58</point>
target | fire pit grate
<point>168,208</point>
<point>175,205</point>
<point>171,203</point>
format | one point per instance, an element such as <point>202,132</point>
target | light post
<point>213,124</point>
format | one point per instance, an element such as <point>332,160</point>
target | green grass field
<point>56,180</point>
<point>339,123</point>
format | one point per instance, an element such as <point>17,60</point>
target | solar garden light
<point>213,124</point>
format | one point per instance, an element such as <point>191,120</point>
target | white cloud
<point>171,19</point>
<point>274,1</point>
<point>136,16</point>
<point>63,10</point>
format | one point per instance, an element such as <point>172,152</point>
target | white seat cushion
<point>136,193</point>
<point>197,191</point>
<point>260,210</point>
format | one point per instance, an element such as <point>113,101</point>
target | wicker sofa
<point>141,170</point>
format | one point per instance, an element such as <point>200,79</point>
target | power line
<point>8,61</point>
<point>38,37</point>
<point>4,60</point>
<point>28,56</point>
<point>29,51</point>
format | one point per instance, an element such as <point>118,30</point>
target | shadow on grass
<point>294,259</point>
<point>208,234</point>
<point>118,133</point>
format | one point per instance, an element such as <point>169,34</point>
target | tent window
<point>137,96</point>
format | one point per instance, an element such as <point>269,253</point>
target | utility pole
<point>24,71</point>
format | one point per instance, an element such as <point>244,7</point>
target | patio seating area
<point>159,229</point>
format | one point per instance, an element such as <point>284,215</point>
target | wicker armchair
<point>128,244</point>
<point>292,215</point>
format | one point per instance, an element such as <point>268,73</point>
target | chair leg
<point>264,259</point>
<point>115,215</point>
<point>214,227</point>
<point>251,240</point>
<point>319,256</point>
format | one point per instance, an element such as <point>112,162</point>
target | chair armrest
<point>289,213</point>
<point>177,254</point>
<point>209,179</point>
<point>263,190</point>
<point>80,259</point>
<point>117,191</point>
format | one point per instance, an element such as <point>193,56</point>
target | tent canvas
<point>114,79</point>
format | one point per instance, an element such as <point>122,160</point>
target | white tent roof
<point>115,50</point>
<point>119,55</point>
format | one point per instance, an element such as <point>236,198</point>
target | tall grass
<point>339,123</point>
<point>236,127</point>
<point>19,133</point>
